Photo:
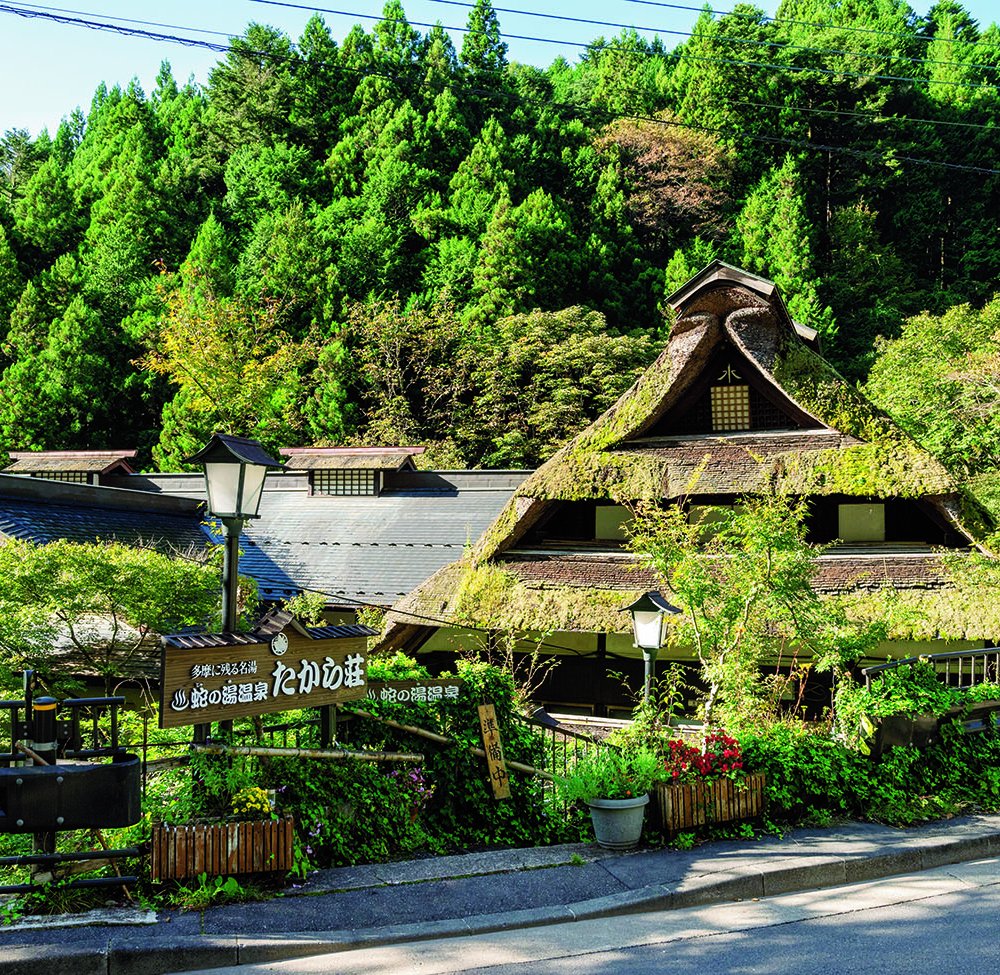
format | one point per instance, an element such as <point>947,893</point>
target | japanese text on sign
<point>499,778</point>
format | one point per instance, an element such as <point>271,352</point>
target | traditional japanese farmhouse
<point>739,402</point>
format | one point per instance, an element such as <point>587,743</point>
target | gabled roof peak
<point>719,272</point>
<point>719,275</point>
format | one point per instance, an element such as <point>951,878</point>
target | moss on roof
<point>489,597</point>
<point>877,460</point>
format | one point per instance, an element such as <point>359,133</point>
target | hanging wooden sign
<point>499,778</point>
<point>218,677</point>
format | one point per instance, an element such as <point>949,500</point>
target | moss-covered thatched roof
<point>492,596</point>
<point>841,445</point>
<point>613,459</point>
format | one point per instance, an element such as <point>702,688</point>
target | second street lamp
<point>651,614</point>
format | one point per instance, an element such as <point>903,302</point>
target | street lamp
<point>650,616</point>
<point>234,479</point>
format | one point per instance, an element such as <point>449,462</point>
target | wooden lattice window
<point>74,477</point>
<point>730,402</point>
<point>345,482</point>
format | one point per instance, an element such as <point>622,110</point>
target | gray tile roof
<point>366,549</point>
<point>353,549</point>
<point>46,511</point>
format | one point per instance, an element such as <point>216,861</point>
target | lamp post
<point>234,480</point>
<point>651,615</point>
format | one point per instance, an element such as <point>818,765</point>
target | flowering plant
<point>251,801</point>
<point>420,790</point>
<point>719,758</point>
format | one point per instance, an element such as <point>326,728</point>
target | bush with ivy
<point>463,814</point>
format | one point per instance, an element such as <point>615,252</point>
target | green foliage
<point>106,601</point>
<point>939,381</point>
<point>208,891</point>
<point>811,777</point>
<point>805,770</point>
<point>389,167</point>
<point>612,773</point>
<point>745,591</point>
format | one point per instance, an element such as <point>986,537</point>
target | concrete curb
<point>127,953</point>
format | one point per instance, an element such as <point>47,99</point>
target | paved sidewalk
<point>355,907</point>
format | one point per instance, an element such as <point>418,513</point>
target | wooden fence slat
<point>222,849</point>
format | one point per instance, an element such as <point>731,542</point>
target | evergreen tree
<point>11,282</point>
<point>775,239</point>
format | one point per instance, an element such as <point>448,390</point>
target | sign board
<point>199,685</point>
<point>429,691</point>
<point>494,752</point>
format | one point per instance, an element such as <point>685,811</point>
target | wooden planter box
<point>684,807</point>
<point>222,849</point>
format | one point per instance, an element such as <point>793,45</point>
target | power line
<point>685,56</point>
<point>492,93</point>
<point>868,116</point>
<point>799,23</point>
<point>798,144</point>
<point>780,45</point>
<point>124,20</point>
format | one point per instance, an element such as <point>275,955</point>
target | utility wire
<point>927,38</point>
<point>492,93</point>
<point>868,116</point>
<point>803,109</point>
<point>124,20</point>
<point>673,55</point>
<point>723,39</point>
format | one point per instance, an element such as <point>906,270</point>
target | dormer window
<point>338,472</point>
<point>72,466</point>
<point>344,482</point>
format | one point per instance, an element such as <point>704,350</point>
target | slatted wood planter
<point>687,806</point>
<point>222,849</point>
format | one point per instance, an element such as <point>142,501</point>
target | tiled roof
<point>355,549</point>
<point>201,641</point>
<point>38,521</point>
<point>362,548</point>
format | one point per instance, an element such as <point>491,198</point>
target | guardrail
<point>957,668</point>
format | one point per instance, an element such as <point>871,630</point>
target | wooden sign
<point>201,684</point>
<point>494,752</point>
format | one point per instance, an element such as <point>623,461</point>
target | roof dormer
<point>344,471</point>
<point>75,466</point>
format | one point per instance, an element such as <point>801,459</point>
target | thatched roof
<point>835,442</point>
<point>350,458</point>
<point>41,462</point>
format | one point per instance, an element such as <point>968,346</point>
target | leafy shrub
<point>359,811</point>
<point>805,770</point>
<point>608,773</point>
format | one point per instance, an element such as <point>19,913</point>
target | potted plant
<point>706,784</point>
<point>615,786</point>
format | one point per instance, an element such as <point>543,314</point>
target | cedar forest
<point>390,240</point>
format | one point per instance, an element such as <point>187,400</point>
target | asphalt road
<point>941,921</point>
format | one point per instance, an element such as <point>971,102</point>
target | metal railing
<point>956,668</point>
